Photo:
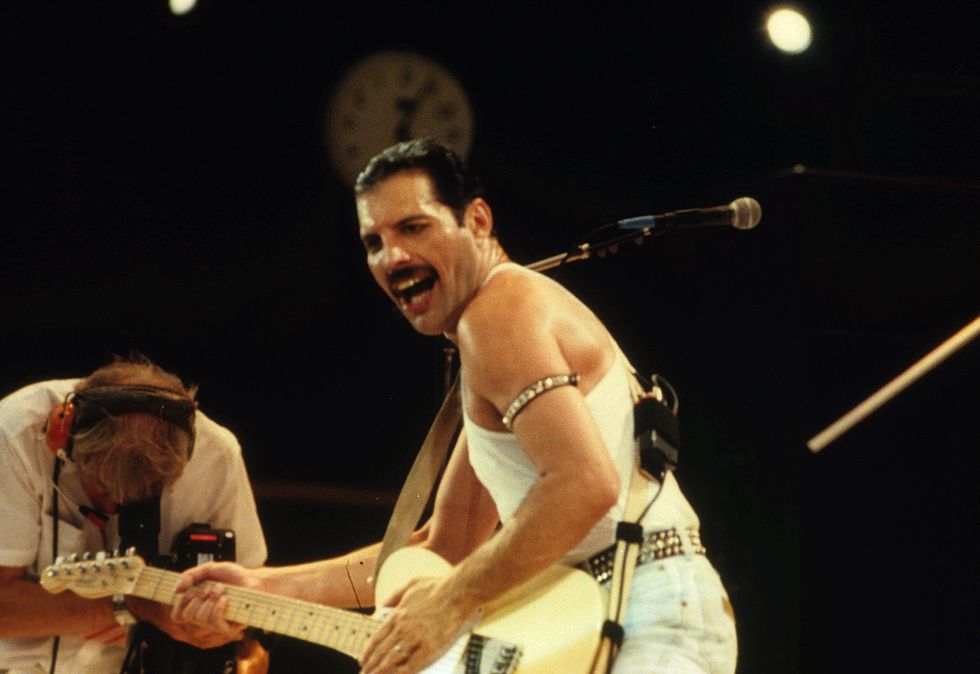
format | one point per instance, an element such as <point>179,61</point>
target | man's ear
<point>478,218</point>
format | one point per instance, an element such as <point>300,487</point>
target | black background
<point>165,188</point>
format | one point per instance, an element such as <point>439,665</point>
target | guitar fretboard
<point>334,628</point>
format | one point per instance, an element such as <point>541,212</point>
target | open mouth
<point>411,287</point>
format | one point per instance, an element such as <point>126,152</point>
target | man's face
<point>417,251</point>
<point>97,493</point>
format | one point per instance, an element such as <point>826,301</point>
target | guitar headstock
<point>99,576</point>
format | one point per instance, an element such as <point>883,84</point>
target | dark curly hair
<point>454,185</point>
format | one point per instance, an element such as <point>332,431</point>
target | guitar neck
<point>341,630</point>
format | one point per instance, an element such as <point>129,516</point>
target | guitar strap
<point>629,537</point>
<point>414,495</point>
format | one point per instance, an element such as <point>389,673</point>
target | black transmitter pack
<point>658,433</point>
<point>199,543</point>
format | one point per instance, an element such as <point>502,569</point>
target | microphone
<point>743,213</point>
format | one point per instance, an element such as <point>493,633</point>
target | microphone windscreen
<point>746,213</point>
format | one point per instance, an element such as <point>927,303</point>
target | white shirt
<point>213,489</point>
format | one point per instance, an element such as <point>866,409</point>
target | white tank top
<point>508,474</point>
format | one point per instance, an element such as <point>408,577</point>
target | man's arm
<point>462,518</point>
<point>28,610</point>
<point>464,515</point>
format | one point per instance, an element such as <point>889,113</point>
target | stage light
<point>180,7</point>
<point>789,30</point>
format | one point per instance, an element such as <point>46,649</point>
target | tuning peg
<point>130,551</point>
<point>72,558</point>
<point>100,555</point>
<point>59,560</point>
<point>86,556</point>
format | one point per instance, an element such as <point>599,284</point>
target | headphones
<point>83,409</point>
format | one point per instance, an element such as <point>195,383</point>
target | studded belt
<point>656,545</point>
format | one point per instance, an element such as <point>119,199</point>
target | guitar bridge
<point>485,655</point>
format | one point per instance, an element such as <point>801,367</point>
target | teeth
<point>405,285</point>
<point>415,299</point>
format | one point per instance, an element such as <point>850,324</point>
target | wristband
<point>122,614</point>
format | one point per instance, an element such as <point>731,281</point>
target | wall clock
<point>392,96</point>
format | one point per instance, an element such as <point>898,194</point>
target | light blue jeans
<point>678,620</point>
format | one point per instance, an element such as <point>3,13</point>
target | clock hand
<point>408,107</point>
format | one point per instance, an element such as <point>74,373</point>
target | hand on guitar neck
<point>202,599</point>
<point>201,634</point>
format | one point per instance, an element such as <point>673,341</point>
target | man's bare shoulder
<point>523,325</point>
<point>506,338</point>
<point>511,303</point>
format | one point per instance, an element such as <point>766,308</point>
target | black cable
<point>674,398</point>
<point>652,501</point>
<point>135,639</point>
<point>54,545</point>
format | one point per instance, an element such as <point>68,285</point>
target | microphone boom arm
<point>585,250</point>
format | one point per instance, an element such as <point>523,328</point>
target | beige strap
<point>635,388</point>
<point>622,576</point>
<point>627,554</point>
<point>422,477</point>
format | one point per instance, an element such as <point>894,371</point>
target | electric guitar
<point>549,624</point>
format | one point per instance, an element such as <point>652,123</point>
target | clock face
<point>389,97</point>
